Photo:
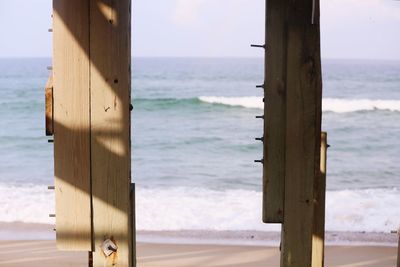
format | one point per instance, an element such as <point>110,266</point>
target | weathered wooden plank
<point>275,111</point>
<point>110,80</point>
<point>71,124</point>
<point>48,91</point>
<point>133,216</point>
<point>303,131</point>
<point>319,208</point>
<point>398,250</point>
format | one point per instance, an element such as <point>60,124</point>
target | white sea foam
<point>26,204</point>
<point>328,104</point>
<point>352,105</point>
<point>186,208</point>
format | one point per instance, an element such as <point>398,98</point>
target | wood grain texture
<point>48,91</point>
<point>110,80</point>
<point>71,124</point>
<point>398,250</point>
<point>275,112</point>
<point>303,131</point>
<point>133,216</point>
<point>318,245</point>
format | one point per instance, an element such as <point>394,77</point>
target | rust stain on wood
<point>49,106</point>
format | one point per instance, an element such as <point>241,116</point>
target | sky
<point>351,29</point>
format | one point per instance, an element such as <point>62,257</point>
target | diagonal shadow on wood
<point>92,134</point>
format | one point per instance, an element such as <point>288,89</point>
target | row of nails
<point>260,117</point>
<point>260,138</point>
<point>50,187</point>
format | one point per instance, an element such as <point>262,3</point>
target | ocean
<point>193,146</point>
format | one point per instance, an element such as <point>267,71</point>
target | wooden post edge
<point>133,222</point>
<point>318,238</point>
<point>398,249</point>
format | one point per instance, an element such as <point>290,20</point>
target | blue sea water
<point>193,146</point>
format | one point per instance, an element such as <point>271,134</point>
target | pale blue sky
<point>350,28</point>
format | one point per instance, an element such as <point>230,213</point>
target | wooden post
<point>92,79</point>
<point>292,140</point>
<point>398,249</point>
<point>110,81</point>
<point>319,209</point>
<point>275,111</point>
<point>303,130</point>
<point>71,66</point>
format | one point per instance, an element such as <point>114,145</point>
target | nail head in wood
<point>109,247</point>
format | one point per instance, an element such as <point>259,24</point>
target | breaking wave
<point>186,208</point>
<point>336,105</point>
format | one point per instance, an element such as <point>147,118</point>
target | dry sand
<point>44,254</point>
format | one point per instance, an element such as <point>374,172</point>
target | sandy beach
<point>44,254</point>
<point>195,248</point>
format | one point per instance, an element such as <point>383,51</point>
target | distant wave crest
<point>246,101</point>
<point>353,105</point>
<point>336,105</point>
